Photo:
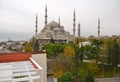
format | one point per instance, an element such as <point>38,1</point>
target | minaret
<point>74,20</point>
<point>59,20</point>
<point>99,28</point>
<point>46,15</point>
<point>79,30</point>
<point>36,26</point>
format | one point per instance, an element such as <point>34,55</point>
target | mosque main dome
<point>53,30</point>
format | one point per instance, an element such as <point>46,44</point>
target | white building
<point>84,43</point>
<point>23,67</point>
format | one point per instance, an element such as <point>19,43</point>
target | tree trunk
<point>78,80</point>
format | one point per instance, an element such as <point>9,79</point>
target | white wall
<point>41,60</point>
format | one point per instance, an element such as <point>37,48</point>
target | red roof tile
<point>13,57</point>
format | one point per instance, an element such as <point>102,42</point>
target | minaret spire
<point>74,24</point>
<point>59,20</point>
<point>79,30</point>
<point>46,15</point>
<point>98,27</point>
<point>36,25</point>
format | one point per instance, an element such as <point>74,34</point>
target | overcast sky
<point>17,17</point>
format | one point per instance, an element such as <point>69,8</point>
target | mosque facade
<point>54,32</point>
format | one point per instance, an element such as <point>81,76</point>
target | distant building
<point>84,44</point>
<point>54,32</point>
<point>23,67</point>
<point>12,46</point>
<point>114,36</point>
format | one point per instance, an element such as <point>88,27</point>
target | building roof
<point>14,57</point>
<point>15,67</point>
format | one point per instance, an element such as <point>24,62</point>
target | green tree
<point>78,40</point>
<point>79,76</point>
<point>27,47</point>
<point>93,67</point>
<point>118,40</point>
<point>58,67</point>
<point>36,46</point>
<point>88,52</point>
<point>89,77</point>
<point>64,62</point>
<point>69,52</point>
<point>108,44</point>
<point>97,44</point>
<point>67,77</point>
<point>53,50</point>
<point>91,38</point>
<point>115,53</point>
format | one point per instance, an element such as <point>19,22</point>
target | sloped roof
<point>13,57</point>
<point>15,67</point>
